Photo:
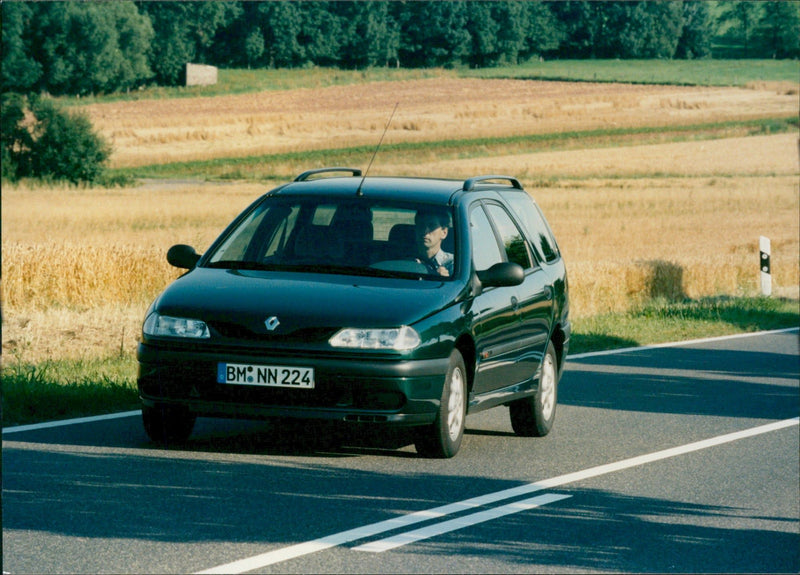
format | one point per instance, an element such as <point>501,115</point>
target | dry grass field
<point>79,266</point>
<point>159,131</point>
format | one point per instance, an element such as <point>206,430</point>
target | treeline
<point>101,47</point>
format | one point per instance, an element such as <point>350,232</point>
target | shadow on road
<point>717,382</point>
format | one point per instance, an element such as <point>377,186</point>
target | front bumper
<point>357,390</point>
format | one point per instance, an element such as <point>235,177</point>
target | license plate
<point>266,375</point>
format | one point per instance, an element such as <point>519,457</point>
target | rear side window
<point>535,224</point>
<point>515,245</point>
<point>485,251</point>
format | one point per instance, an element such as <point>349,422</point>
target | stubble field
<point>159,131</point>
<point>672,220</point>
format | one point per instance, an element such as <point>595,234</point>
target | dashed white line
<point>459,523</point>
<point>301,549</point>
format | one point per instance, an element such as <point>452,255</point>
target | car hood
<point>236,301</point>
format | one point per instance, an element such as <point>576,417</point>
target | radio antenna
<point>375,153</point>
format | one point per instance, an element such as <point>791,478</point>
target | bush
<point>15,141</point>
<point>43,141</point>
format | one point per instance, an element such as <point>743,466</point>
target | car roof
<point>416,189</point>
<point>376,187</point>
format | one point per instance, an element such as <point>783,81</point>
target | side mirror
<point>182,256</point>
<point>503,274</point>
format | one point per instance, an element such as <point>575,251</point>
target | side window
<point>485,251</point>
<point>513,240</point>
<point>531,217</point>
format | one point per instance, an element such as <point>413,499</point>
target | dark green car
<point>364,301</point>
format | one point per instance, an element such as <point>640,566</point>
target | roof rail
<point>470,184</point>
<point>306,175</point>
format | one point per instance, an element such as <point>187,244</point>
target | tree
<point>171,48</point>
<point>483,31</point>
<point>583,27</point>
<point>188,32</point>
<point>86,48</point>
<point>15,140</point>
<point>432,33</point>
<point>253,47</point>
<point>320,34</point>
<point>51,143</point>
<point>742,18</point>
<point>134,37</point>
<point>649,29</point>
<point>20,72</point>
<point>695,40</point>
<point>544,33</point>
<point>65,146</point>
<point>779,29</point>
<point>369,34</point>
<point>514,22</point>
<point>281,24</point>
<point>83,48</point>
<point>204,21</point>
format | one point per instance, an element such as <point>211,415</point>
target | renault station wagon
<point>364,301</point>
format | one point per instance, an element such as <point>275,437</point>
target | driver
<point>432,228</point>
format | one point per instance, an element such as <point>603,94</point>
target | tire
<point>534,416</point>
<point>442,439</point>
<point>168,424</point>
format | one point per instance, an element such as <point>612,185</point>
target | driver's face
<point>430,232</point>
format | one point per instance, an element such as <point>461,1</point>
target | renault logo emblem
<point>272,323</point>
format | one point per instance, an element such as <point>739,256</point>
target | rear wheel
<point>168,424</point>
<point>443,439</point>
<point>534,416</point>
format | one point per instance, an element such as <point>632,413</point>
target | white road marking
<point>459,523</point>
<point>301,549</point>
<point>75,421</point>
<point>678,343</point>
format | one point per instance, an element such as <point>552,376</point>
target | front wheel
<point>167,424</point>
<point>534,416</point>
<point>443,439</point>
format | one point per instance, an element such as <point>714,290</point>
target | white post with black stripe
<point>766,272</point>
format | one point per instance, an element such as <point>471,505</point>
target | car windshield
<point>345,236</point>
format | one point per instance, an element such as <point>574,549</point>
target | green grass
<point>680,72</point>
<point>660,321</point>
<point>260,168</point>
<point>62,389</point>
<point>241,81</point>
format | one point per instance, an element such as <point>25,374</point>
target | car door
<point>534,295</point>
<point>511,324</point>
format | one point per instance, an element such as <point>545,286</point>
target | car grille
<point>303,335</point>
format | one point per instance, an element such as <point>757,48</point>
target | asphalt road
<point>670,459</point>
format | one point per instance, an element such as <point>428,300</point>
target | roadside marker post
<point>764,265</point>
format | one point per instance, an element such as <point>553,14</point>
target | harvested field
<point>159,131</point>
<point>753,156</point>
<point>664,220</point>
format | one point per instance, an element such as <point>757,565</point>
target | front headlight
<point>399,339</point>
<point>163,325</point>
